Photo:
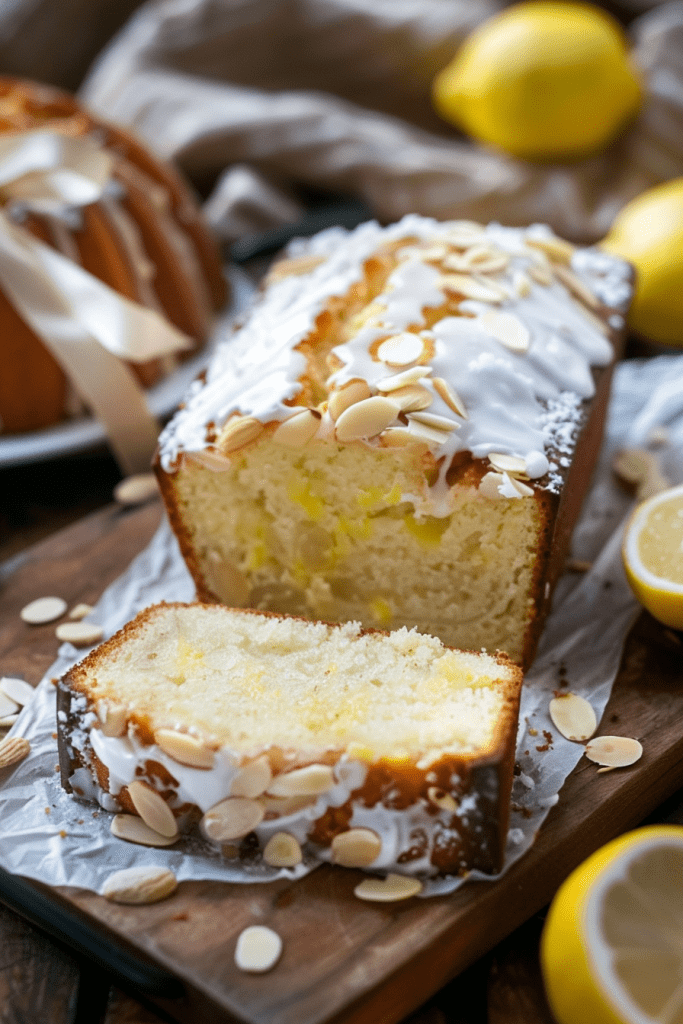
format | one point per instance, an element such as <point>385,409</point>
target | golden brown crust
<point>393,784</point>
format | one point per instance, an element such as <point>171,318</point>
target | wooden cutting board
<point>346,961</point>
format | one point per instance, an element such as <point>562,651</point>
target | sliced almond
<point>185,748</point>
<point>309,781</point>
<point>389,889</point>
<point>211,459</point>
<point>521,284</point>
<point>17,690</point>
<point>441,798</point>
<point>484,259</point>
<point>258,949</point>
<point>294,267</point>
<point>463,234</point>
<point>576,286</point>
<point>471,288</point>
<point>8,706</point>
<point>252,779</point>
<point>153,809</point>
<point>231,819</point>
<point>614,751</point>
<point>402,379</point>
<point>80,634</point>
<point>239,431</point>
<point>282,851</point>
<point>558,249</point>
<point>430,419</point>
<point>401,350</point>
<point>400,437</point>
<point>490,484</point>
<point>79,611</point>
<point>523,490</point>
<point>450,397</point>
<point>299,429</point>
<point>573,716</point>
<point>8,720</point>
<point>13,749</point>
<point>113,717</point>
<point>506,328</point>
<point>136,489</point>
<point>366,418</point>
<point>412,398</point>
<point>422,432</point>
<point>140,885</point>
<point>541,275</point>
<point>283,806</point>
<point>632,465</point>
<point>43,609</point>
<point>356,848</point>
<point>348,394</point>
<point>513,465</point>
<point>134,830</point>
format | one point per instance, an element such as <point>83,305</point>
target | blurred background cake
<point>144,237</point>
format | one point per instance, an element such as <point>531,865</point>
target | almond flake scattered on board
<point>80,634</point>
<point>389,889</point>
<point>17,690</point>
<point>140,885</point>
<point>136,489</point>
<point>614,751</point>
<point>42,610</point>
<point>573,716</point>
<point>258,949</point>
<point>13,749</point>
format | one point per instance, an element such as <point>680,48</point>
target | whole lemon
<point>648,232</point>
<point>543,81</point>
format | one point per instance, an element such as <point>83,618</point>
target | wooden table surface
<point>39,980</point>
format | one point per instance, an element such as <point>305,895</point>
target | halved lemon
<point>653,555</point>
<point>612,944</point>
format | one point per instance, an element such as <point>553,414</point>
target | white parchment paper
<point>59,840</point>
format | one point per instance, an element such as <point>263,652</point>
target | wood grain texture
<point>345,961</point>
<point>38,982</point>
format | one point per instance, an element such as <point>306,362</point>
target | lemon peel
<point>542,81</point>
<point>652,552</point>
<point>648,232</point>
<point>612,940</point>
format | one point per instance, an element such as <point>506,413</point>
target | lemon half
<point>612,944</point>
<point>652,552</point>
<point>541,80</point>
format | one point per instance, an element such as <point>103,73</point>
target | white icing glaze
<point>125,758</point>
<point>513,398</point>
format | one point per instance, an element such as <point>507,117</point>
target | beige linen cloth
<point>261,96</point>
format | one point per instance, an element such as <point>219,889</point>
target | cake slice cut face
<point>369,749</point>
<point>402,431</point>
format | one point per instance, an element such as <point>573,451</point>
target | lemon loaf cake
<point>402,430</point>
<point>144,237</point>
<point>366,748</point>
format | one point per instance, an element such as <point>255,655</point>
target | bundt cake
<point>284,737</point>
<point>144,238</point>
<point>402,431</point>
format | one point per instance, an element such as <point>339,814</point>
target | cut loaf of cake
<point>284,737</point>
<point>402,430</point>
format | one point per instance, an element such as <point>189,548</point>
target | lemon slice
<point>653,555</point>
<point>612,944</point>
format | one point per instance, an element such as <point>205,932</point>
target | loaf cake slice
<point>402,431</point>
<point>370,749</point>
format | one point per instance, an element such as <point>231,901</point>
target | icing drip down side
<point>480,339</point>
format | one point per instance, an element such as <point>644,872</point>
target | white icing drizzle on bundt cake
<point>521,319</point>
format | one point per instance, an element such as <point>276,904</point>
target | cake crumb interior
<point>246,681</point>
